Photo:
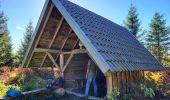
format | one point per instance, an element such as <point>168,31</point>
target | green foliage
<point>5,50</point>
<point>34,82</point>
<point>3,23</point>
<point>16,59</point>
<point>158,37</point>
<point>136,90</point>
<point>113,94</point>
<point>132,22</point>
<point>148,92</point>
<point>5,42</point>
<point>156,80</point>
<point>24,44</point>
<point>22,83</point>
<point>133,91</point>
<point>3,89</point>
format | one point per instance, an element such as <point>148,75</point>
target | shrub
<point>4,88</point>
<point>136,91</point>
<point>148,92</point>
<point>34,82</point>
<point>113,94</point>
<point>157,81</point>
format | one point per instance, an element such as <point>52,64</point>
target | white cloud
<point>19,28</point>
<point>73,1</point>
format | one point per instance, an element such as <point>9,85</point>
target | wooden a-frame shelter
<point>63,25</point>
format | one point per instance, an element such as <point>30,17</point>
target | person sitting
<point>49,82</point>
<point>91,77</point>
<point>59,82</point>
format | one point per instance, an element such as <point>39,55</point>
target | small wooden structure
<point>117,53</point>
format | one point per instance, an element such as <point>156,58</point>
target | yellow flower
<point>13,75</point>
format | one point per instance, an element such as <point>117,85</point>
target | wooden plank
<point>118,81</point>
<point>127,81</point>
<point>114,78</point>
<point>68,61</point>
<point>131,76</point>
<point>52,59</point>
<point>123,81</point>
<point>42,30</point>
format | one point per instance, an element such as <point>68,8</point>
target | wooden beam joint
<point>52,59</point>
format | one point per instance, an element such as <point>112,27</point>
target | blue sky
<point>20,12</point>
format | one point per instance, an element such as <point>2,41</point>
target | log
<point>34,91</point>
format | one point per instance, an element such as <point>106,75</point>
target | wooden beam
<point>55,34</point>
<point>77,41</point>
<point>76,51</point>
<point>109,82</point>
<point>66,39</point>
<point>41,32</point>
<point>52,59</point>
<point>43,61</point>
<point>61,61</point>
<point>68,61</point>
<point>47,50</point>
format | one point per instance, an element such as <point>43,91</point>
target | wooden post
<point>68,61</point>
<point>109,81</point>
<point>61,61</point>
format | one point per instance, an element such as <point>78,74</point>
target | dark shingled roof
<point>111,46</point>
<point>119,48</point>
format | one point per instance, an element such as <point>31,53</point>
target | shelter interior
<point>59,46</point>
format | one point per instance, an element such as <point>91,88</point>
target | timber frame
<point>61,65</point>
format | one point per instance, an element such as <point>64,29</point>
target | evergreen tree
<point>158,37</point>
<point>25,43</point>
<point>3,23</point>
<point>5,50</point>
<point>5,43</point>
<point>132,22</point>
